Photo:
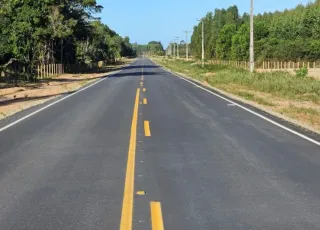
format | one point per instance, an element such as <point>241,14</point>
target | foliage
<point>302,72</point>
<point>57,32</point>
<point>152,48</point>
<point>291,35</point>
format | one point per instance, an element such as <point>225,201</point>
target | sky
<point>164,20</point>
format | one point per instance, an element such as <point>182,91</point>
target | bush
<point>302,72</point>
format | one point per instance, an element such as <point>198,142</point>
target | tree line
<point>51,31</point>
<point>291,35</point>
<point>152,48</point>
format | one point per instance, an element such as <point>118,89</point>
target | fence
<point>16,72</point>
<point>269,65</point>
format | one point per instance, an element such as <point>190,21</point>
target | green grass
<point>277,83</point>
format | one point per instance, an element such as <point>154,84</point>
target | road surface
<point>144,149</point>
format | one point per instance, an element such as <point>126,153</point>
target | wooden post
<point>308,65</point>
<point>268,65</point>
<point>298,64</point>
<point>314,64</point>
<point>303,64</point>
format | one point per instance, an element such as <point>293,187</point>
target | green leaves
<point>289,35</point>
<point>52,31</point>
<point>224,42</point>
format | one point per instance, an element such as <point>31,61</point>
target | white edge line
<point>249,110</point>
<point>62,99</point>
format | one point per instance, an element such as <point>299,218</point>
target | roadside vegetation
<point>291,35</point>
<point>293,96</point>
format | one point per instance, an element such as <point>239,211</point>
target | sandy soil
<point>15,99</point>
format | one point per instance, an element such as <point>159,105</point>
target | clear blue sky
<point>163,20</point>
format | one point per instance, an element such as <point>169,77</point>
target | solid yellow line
<point>144,89</point>
<point>145,101</point>
<point>156,216</point>
<point>127,205</point>
<point>147,132</point>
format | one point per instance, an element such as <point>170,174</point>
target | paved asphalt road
<point>202,163</point>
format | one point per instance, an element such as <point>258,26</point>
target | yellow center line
<point>156,216</point>
<point>127,205</point>
<point>147,132</point>
<point>144,89</point>
<point>145,101</point>
<point>141,83</point>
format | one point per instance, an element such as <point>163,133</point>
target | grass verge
<point>294,97</point>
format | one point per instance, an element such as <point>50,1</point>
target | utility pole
<point>187,48</point>
<point>177,46</point>
<point>251,39</point>
<point>174,50</point>
<point>202,42</point>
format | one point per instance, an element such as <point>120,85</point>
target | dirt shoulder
<point>304,113</point>
<point>16,99</point>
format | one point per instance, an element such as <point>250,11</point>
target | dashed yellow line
<point>145,101</point>
<point>144,90</point>
<point>141,83</point>
<point>156,216</point>
<point>147,132</point>
<point>127,205</point>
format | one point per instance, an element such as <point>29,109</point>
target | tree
<point>54,31</point>
<point>224,41</point>
<point>241,43</point>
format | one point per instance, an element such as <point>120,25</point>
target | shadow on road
<point>142,66</point>
<point>132,74</point>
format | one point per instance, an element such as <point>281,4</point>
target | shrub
<point>302,72</point>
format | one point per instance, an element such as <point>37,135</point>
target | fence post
<point>314,64</point>
<point>303,64</point>
<point>308,65</point>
